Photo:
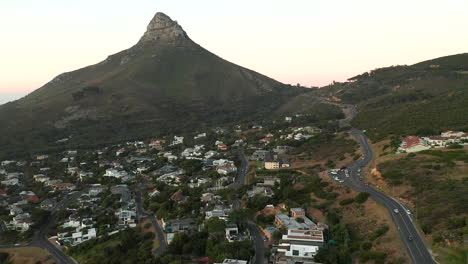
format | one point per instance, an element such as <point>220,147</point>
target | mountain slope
<point>423,98</point>
<point>166,82</point>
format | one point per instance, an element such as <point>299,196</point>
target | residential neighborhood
<point>188,172</point>
<point>186,185</point>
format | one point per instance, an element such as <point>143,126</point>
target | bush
<point>330,164</point>
<point>347,201</point>
<point>149,235</point>
<point>366,245</point>
<point>378,257</point>
<point>379,232</point>
<point>361,197</point>
<point>4,257</point>
<point>147,225</point>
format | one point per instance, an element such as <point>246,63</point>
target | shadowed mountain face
<point>166,82</point>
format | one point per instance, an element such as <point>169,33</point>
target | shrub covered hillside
<point>436,183</point>
<point>403,99</point>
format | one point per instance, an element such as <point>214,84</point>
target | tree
<point>278,234</point>
<point>214,224</point>
<point>361,197</point>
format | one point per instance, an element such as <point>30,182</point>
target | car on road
<point>410,238</point>
<point>396,211</point>
<point>408,211</point>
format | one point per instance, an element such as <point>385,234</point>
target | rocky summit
<point>164,82</point>
<point>162,28</point>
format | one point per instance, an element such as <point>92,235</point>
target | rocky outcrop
<point>163,29</point>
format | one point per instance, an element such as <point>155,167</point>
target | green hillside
<point>164,83</point>
<point>431,95</point>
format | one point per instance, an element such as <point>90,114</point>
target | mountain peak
<point>163,29</point>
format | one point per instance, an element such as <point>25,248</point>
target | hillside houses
<point>446,138</point>
<point>415,143</point>
<point>273,162</point>
<point>172,227</point>
<point>303,239</point>
<point>412,144</point>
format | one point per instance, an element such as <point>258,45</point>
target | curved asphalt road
<point>259,243</point>
<point>412,239</point>
<point>154,221</point>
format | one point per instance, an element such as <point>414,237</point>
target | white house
<point>13,181</point>
<point>224,170</point>
<point>115,173</point>
<point>82,236</point>
<point>232,232</point>
<point>450,133</point>
<point>435,141</point>
<point>201,135</point>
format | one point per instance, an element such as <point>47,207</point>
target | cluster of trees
<point>128,246</point>
<point>213,245</point>
<point>164,207</point>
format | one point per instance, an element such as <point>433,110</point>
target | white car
<point>396,211</point>
<point>408,211</point>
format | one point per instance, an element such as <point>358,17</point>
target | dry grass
<point>29,255</point>
<point>365,219</point>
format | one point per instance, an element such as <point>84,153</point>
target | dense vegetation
<point>129,246</point>
<point>404,99</point>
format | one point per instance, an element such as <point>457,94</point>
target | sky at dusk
<point>302,41</point>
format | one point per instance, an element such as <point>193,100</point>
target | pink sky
<point>306,42</point>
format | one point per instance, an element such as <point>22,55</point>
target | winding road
<point>154,221</point>
<point>259,243</point>
<point>402,217</point>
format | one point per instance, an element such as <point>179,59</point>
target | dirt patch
<point>315,214</point>
<point>29,255</point>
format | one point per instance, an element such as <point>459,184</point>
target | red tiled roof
<point>205,259</point>
<point>412,141</point>
<point>177,196</point>
<point>33,198</point>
